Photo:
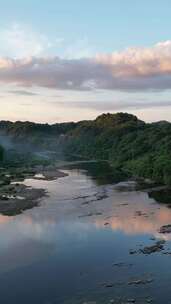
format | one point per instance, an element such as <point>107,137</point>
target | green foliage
<point>127,142</point>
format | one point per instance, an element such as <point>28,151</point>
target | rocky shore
<point>15,197</point>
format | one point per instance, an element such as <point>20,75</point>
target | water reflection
<point>131,225</point>
<point>82,227</point>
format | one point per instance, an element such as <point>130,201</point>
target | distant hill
<point>139,148</point>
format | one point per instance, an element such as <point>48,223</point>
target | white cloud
<point>21,41</point>
<point>78,49</point>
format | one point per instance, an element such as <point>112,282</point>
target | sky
<point>73,60</point>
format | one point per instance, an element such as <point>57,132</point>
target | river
<point>83,243</point>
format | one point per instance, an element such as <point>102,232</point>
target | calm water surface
<point>75,247</point>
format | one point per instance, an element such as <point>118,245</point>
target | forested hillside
<point>129,144</point>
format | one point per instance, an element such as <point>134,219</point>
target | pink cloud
<point>133,69</point>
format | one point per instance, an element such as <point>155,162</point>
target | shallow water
<point>75,247</point>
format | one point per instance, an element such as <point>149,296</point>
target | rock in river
<point>165,229</point>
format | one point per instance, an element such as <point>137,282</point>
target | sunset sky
<point>72,60</point>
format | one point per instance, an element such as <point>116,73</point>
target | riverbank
<point>15,197</point>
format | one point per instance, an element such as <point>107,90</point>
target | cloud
<point>23,92</point>
<point>78,49</point>
<point>140,61</point>
<point>135,69</point>
<point>115,105</point>
<point>21,41</point>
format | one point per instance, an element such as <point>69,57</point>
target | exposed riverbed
<point>88,241</point>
